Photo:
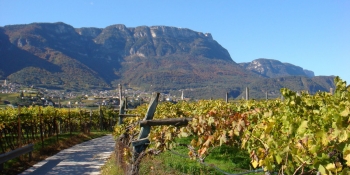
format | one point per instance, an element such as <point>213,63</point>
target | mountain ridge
<point>156,58</point>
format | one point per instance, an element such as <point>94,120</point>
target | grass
<point>110,167</point>
<point>51,147</point>
<point>229,159</point>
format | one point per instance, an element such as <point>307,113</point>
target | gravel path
<point>83,158</point>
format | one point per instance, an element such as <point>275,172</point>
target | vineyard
<point>24,125</point>
<point>301,134</point>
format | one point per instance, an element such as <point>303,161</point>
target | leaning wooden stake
<point>142,142</point>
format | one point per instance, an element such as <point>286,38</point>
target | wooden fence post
<point>266,95</point>
<point>19,127</point>
<point>41,128</point>
<point>246,93</point>
<point>90,122</point>
<point>141,144</point>
<point>120,93</point>
<point>56,125</point>
<point>226,97</point>
<point>121,111</point>
<point>126,103</point>
<point>101,115</point>
<point>331,91</point>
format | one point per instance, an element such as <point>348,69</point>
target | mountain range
<point>157,58</point>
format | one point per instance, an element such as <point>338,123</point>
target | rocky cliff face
<point>274,68</point>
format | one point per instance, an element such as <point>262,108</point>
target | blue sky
<point>313,34</point>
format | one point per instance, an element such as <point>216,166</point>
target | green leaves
<point>303,127</point>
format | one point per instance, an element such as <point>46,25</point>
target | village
<point>13,94</point>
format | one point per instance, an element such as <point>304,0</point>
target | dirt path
<point>83,158</point>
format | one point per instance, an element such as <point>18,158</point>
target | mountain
<point>273,68</point>
<point>156,58</point>
<point>258,88</point>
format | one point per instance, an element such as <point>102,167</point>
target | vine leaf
<point>302,128</point>
<point>322,170</point>
<point>331,167</point>
<point>345,113</point>
<point>278,158</point>
<point>255,163</point>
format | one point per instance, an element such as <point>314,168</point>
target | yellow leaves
<point>237,127</point>
<point>183,132</point>
<point>343,136</point>
<point>346,112</point>
<point>223,138</point>
<point>255,163</point>
<point>347,158</point>
<point>322,170</point>
<point>346,154</point>
<point>334,167</point>
<point>211,120</point>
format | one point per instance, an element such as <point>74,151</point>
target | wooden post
<point>80,121</point>
<point>121,111</point>
<point>145,130</point>
<point>266,94</point>
<point>331,91</point>
<point>19,127</point>
<point>246,93</point>
<point>101,115</point>
<point>70,123</point>
<point>56,125</point>
<point>41,128</point>
<point>226,97</point>
<point>126,102</point>
<point>149,116</point>
<point>120,93</point>
<point>168,121</point>
<point>90,122</point>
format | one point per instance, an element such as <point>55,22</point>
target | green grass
<point>229,159</point>
<point>110,168</point>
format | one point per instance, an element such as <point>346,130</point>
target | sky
<point>312,34</point>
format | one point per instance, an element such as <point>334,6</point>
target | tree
<point>22,94</point>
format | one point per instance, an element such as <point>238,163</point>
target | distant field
<point>9,97</point>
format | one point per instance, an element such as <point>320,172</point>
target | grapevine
<point>303,134</point>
